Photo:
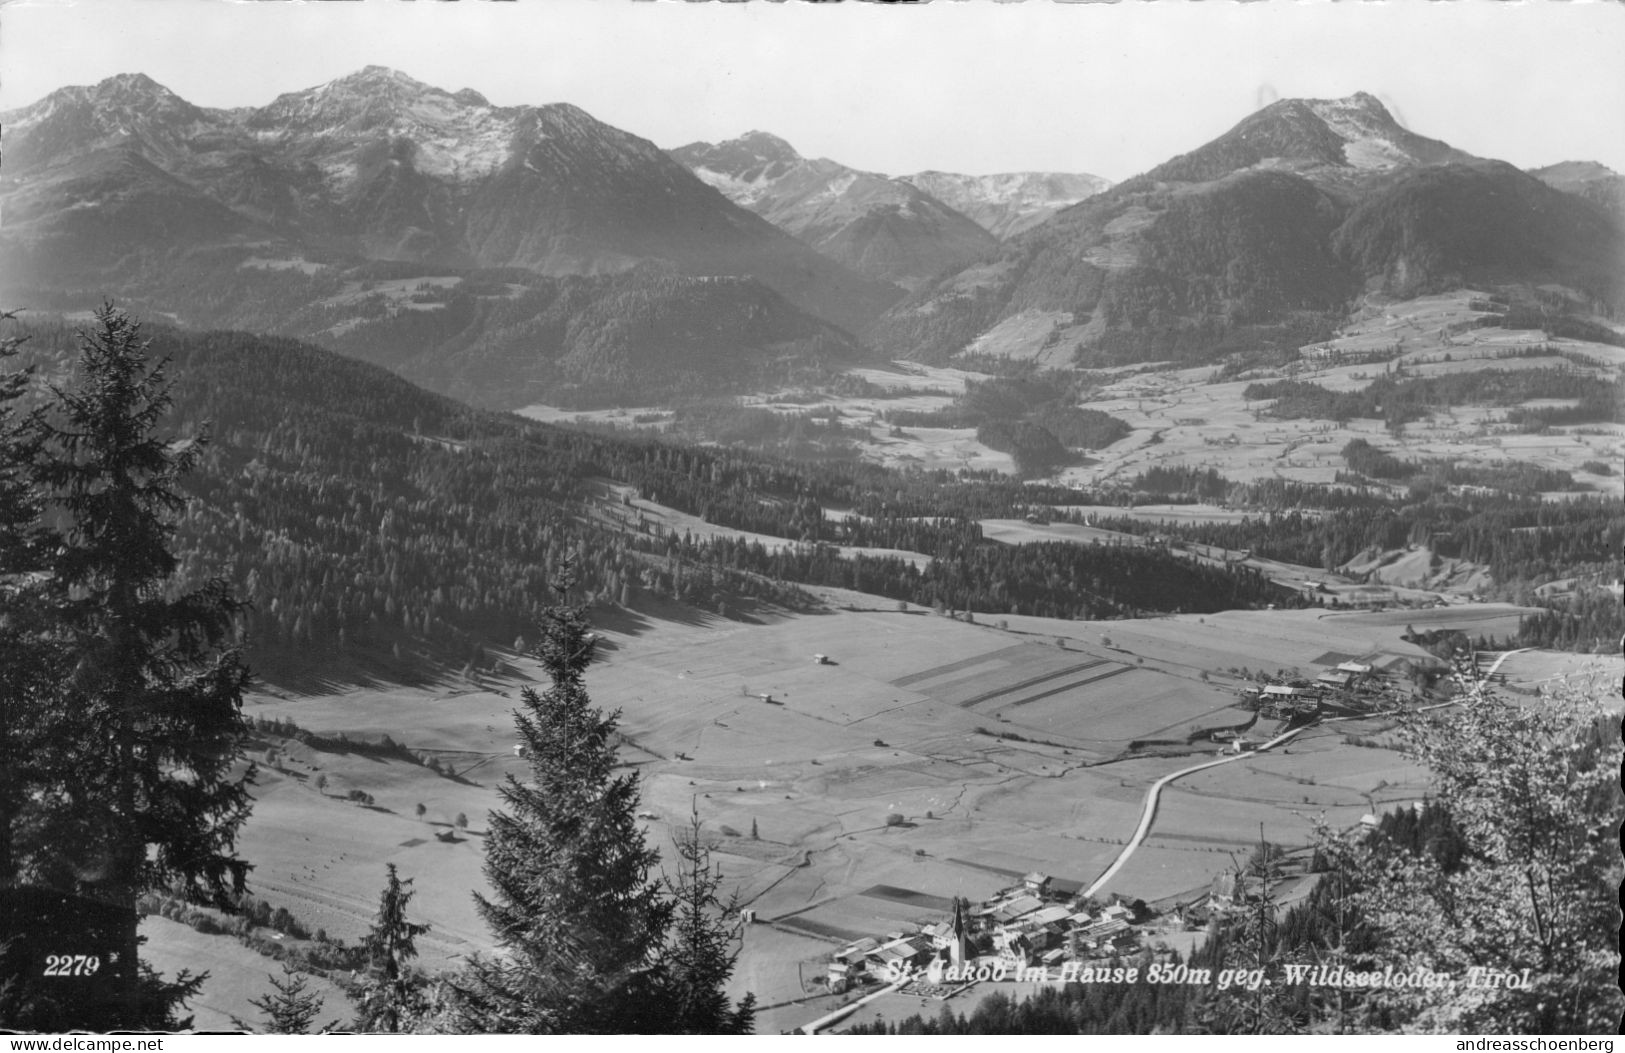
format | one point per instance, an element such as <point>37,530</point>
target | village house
<point>1009,911</point>
<point>1016,951</point>
<point>843,974</point>
<point>1103,937</point>
<point>887,959</point>
<point>849,964</point>
<point>1116,912</point>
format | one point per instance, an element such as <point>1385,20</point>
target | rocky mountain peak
<point>119,97</point>
<point>1326,138</point>
<point>130,86</point>
<point>1373,139</point>
<point>367,96</point>
<point>753,158</point>
<point>373,79</point>
<point>767,146</point>
<point>125,110</point>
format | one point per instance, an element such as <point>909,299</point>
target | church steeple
<point>959,949</point>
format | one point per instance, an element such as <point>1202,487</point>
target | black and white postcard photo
<point>773,517</point>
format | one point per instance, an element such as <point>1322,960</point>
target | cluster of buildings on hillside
<point>1348,686</point>
<point>1040,923</point>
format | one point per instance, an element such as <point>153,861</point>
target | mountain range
<point>1263,237</point>
<point>905,229</point>
<point>376,165</point>
<point>885,228</point>
<point>534,253</point>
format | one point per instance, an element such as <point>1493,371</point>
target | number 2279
<point>71,964</point>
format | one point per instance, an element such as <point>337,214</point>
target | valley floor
<point>1003,748</point>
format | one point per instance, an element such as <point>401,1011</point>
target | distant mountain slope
<point>638,337</point>
<point>1588,179</point>
<point>376,165</point>
<point>507,338</point>
<point>885,228</point>
<point>1477,223</point>
<point>1009,203</point>
<point>1262,238</point>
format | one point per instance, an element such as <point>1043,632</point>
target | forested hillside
<point>507,338</point>
<point>369,521</point>
<point>1398,399</point>
<point>1521,539</point>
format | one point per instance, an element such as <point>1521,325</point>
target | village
<point>1045,931</point>
<point>1029,930</point>
<point>1050,930</point>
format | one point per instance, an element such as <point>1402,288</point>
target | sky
<point>972,86</point>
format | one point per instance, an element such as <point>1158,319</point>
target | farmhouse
<point>857,950</point>
<point>889,957</point>
<point>1007,912</point>
<point>1103,936</point>
<point>843,974</point>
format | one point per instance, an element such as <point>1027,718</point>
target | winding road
<point>1149,814</point>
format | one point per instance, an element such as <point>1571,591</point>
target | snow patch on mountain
<point>1366,129</point>
<point>740,191</point>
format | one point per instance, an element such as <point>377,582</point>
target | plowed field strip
<point>1029,682</point>
<point>954,667</point>
<point>1107,675</point>
<point>990,869</point>
<point>818,930</point>
<point>908,897</point>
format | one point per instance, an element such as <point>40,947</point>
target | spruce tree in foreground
<point>591,941</point>
<point>574,908</point>
<point>701,948</point>
<point>149,714</point>
<point>291,1009</point>
<point>391,998</point>
<point>30,739</point>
